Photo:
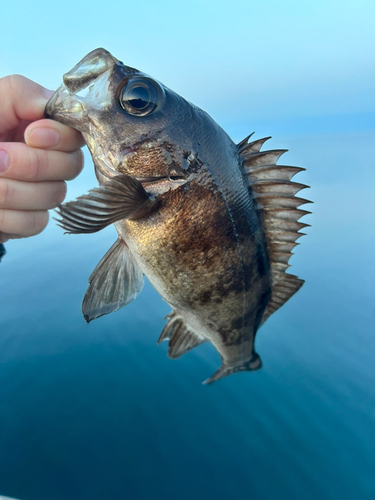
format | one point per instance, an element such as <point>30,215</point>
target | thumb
<point>21,99</point>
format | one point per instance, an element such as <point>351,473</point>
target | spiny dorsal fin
<point>275,194</point>
<point>246,147</point>
<point>181,337</point>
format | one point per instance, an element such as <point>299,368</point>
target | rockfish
<point>210,223</point>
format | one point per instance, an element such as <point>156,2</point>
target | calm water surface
<point>98,411</point>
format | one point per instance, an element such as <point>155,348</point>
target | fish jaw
<point>83,88</point>
<point>78,111</point>
<point>94,64</point>
<point>86,94</point>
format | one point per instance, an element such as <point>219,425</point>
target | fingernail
<point>42,137</point>
<point>4,161</point>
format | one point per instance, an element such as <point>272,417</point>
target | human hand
<point>36,157</point>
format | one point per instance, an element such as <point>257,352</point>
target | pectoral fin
<point>122,197</point>
<point>115,282</point>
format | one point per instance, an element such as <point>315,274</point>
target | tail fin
<point>254,364</point>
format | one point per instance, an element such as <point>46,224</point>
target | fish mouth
<point>94,64</point>
<point>69,101</point>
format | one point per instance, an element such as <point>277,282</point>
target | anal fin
<point>115,282</point>
<point>180,336</point>
<point>255,363</point>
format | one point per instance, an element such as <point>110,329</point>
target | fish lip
<point>52,105</point>
<point>65,108</point>
<point>88,69</point>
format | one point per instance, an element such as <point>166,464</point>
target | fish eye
<point>140,96</point>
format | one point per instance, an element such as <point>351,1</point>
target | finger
<point>48,134</point>
<point>20,162</point>
<point>20,99</point>
<point>4,237</point>
<point>23,223</point>
<point>19,195</point>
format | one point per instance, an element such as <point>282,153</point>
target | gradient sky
<point>241,61</point>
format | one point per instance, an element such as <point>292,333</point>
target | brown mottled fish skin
<point>204,251</point>
<point>204,248</point>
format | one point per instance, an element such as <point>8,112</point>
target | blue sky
<point>242,61</point>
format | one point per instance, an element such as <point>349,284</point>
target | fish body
<point>210,223</point>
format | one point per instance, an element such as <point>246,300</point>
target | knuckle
<point>77,161</point>
<point>14,82</point>
<point>59,194</point>
<point>38,221</point>
<point>23,224</point>
<point>36,163</point>
<point>5,83</point>
<point>4,193</point>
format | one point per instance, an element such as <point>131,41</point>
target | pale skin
<point>37,156</point>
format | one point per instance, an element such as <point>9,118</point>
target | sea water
<point>98,411</point>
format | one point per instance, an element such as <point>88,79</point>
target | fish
<point>210,223</point>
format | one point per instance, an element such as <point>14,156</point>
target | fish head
<point>131,123</point>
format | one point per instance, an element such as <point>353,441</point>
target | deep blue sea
<point>98,411</point>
